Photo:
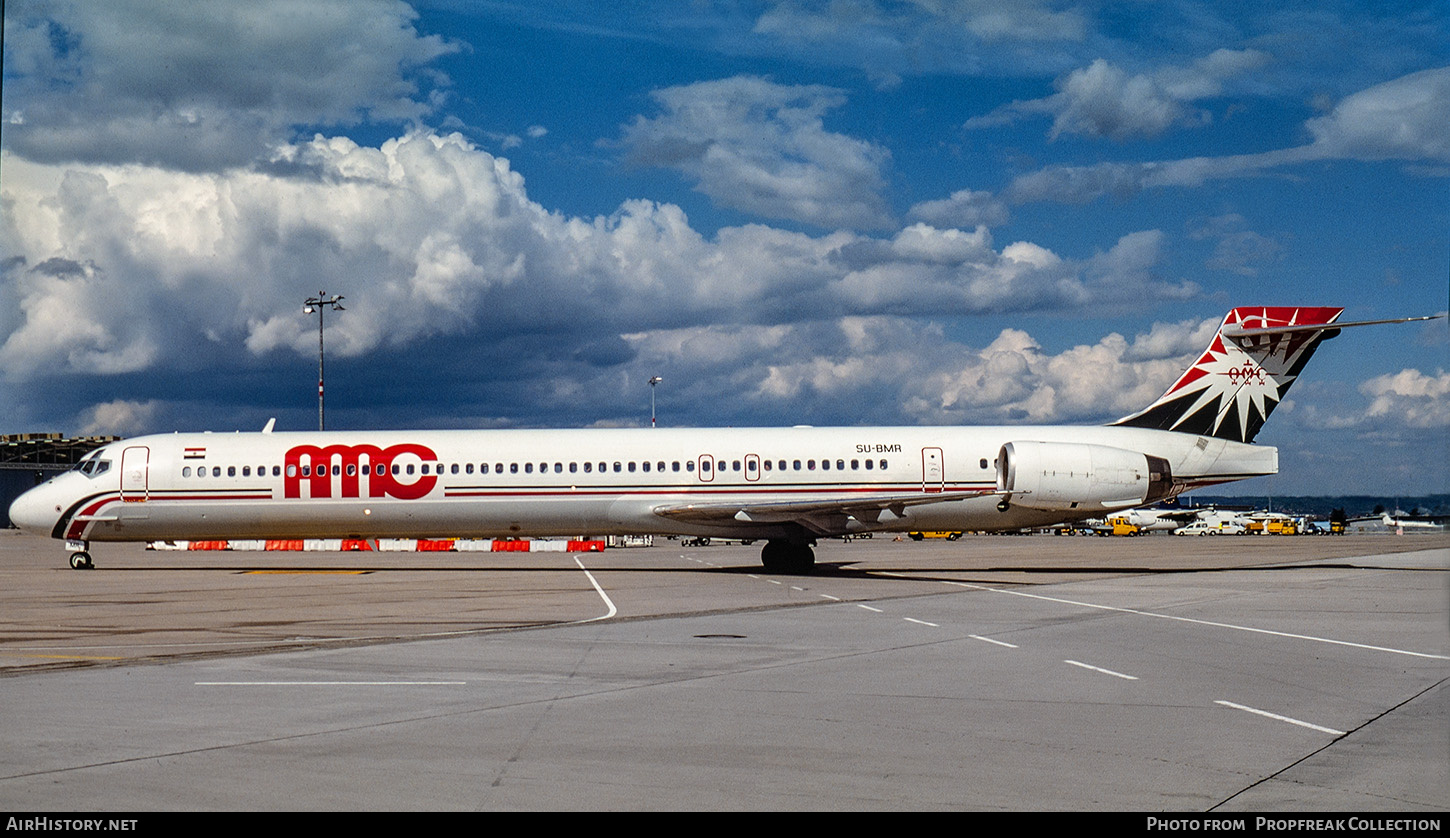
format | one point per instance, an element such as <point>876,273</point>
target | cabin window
<point>291,470</point>
<point>735,466</point>
<point>409,469</point>
<point>645,465</point>
<point>618,467</point>
<point>528,468</point>
<point>186,472</point>
<point>855,465</point>
<point>231,471</point>
<point>810,465</point>
<point>825,465</point>
<point>796,464</point>
<point>840,465</point>
<point>982,462</point>
<point>306,471</point>
<point>660,466</point>
<point>690,466</point>
<point>631,466</point>
<point>869,464</point>
<point>675,466</point>
<point>573,468</point>
<point>513,468</point>
<point>351,470</point>
<point>883,465</point>
<point>588,468</point>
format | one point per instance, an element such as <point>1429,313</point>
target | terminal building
<point>27,460</point>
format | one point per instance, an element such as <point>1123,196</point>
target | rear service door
<point>931,470</point>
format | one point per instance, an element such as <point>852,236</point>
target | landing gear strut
<point>782,556</point>
<point>80,559</point>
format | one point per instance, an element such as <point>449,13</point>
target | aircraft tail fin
<point>1254,358</point>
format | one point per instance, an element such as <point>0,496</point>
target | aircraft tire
<point>81,561</point>
<point>787,557</point>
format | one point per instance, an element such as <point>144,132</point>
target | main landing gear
<point>782,556</point>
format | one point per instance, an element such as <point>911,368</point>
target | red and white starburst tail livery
<point>1232,388</point>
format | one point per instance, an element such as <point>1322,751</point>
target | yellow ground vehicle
<point>1122,526</point>
<point>1273,526</point>
<point>949,536</point>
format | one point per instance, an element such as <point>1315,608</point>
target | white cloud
<point>965,208</point>
<point>220,81</point>
<point>119,418</point>
<point>1409,398</point>
<point>1104,100</point>
<point>123,268</point>
<point>861,370</point>
<point>1402,119</point>
<point>760,147</point>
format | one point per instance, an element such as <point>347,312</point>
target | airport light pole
<point>652,383</point>
<point>317,304</point>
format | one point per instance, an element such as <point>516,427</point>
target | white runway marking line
<point>1281,718</point>
<point>869,608</point>
<point>990,640</point>
<point>1202,622</point>
<point>609,603</point>
<point>1104,671</point>
<point>920,622</point>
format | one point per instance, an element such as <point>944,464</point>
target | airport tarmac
<point>991,673</point>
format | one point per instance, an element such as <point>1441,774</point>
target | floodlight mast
<point>317,304</point>
<point>652,382</point>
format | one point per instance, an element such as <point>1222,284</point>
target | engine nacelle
<point>1069,476</point>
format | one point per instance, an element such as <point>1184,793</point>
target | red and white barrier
<point>394,545</point>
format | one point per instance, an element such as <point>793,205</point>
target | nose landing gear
<point>80,558</point>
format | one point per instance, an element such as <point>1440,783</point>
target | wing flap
<point>822,516</point>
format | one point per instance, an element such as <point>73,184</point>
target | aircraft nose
<point>34,512</point>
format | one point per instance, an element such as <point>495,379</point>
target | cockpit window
<point>93,466</point>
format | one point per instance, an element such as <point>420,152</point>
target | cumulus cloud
<point>883,370</point>
<point>1409,398</point>
<point>220,83</point>
<point>965,208</point>
<point>760,147</point>
<point>430,236</point>
<point>119,418</point>
<point>1402,119</point>
<point>1104,100</point>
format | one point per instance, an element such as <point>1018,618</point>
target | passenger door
<point>134,473</point>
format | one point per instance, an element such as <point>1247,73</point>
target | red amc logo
<point>351,463</point>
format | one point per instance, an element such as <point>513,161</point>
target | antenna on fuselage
<point>271,423</point>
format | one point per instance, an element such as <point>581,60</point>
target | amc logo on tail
<point>355,464</point>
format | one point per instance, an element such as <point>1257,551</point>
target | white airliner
<point>787,486</point>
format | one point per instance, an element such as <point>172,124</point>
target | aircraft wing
<point>823,517</point>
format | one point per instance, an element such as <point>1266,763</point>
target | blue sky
<point>847,212</point>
